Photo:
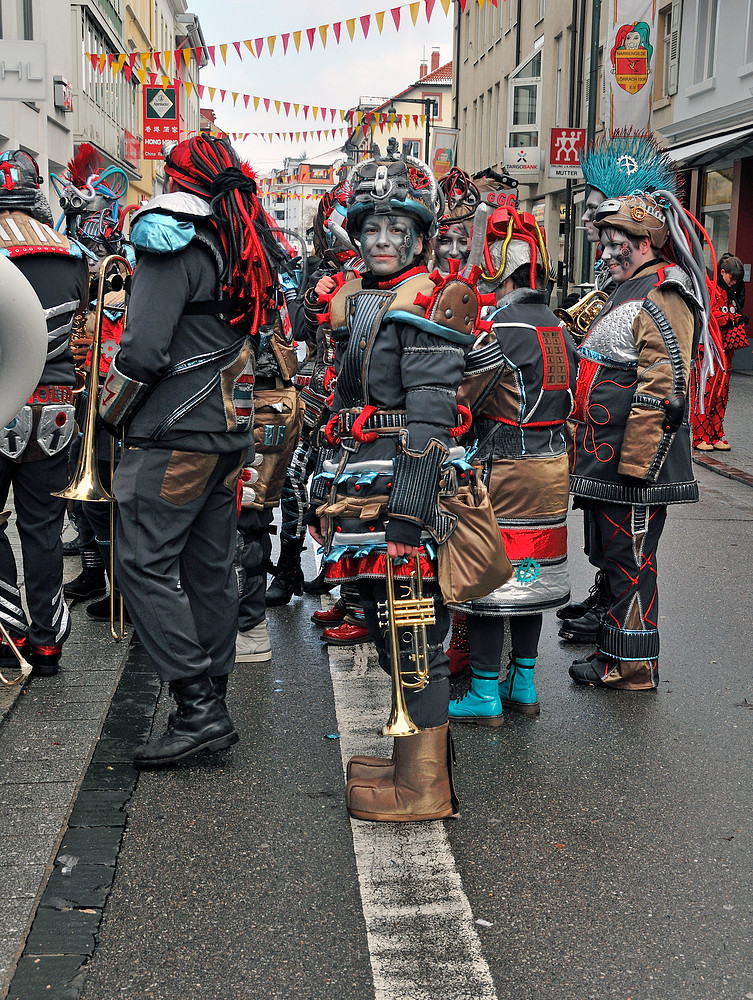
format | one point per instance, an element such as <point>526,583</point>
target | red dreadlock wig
<point>210,167</point>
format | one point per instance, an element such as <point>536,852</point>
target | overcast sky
<point>335,77</point>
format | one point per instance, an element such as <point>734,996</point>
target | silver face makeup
<point>593,201</point>
<point>389,243</point>
<point>452,244</point>
<point>619,254</point>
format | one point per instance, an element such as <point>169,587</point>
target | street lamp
<point>430,110</point>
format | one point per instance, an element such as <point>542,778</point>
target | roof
<point>441,76</point>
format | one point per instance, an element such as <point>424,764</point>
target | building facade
<point>43,126</point>
<point>522,69</point>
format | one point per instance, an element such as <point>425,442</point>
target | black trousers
<point>257,550</point>
<point>628,637</point>
<point>175,534</point>
<point>39,520</point>
<point>427,708</point>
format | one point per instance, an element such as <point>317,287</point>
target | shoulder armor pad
<point>450,310</point>
<point>156,232</point>
<point>678,280</point>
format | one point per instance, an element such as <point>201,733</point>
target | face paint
<point>592,203</point>
<point>451,243</point>
<point>619,254</point>
<point>389,243</point>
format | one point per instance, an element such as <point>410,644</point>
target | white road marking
<point>420,928</point>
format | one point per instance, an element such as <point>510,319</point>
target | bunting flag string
<point>322,133</point>
<point>318,113</point>
<point>255,47</point>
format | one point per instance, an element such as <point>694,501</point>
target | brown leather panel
<point>530,487</point>
<point>186,476</point>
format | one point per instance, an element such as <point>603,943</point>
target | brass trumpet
<point>86,484</point>
<point>579,317</point>
<point>412,611</point>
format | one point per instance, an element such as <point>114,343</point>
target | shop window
<point>412,147</point>
<point>26,19</point>
<point>524,109</point>
<point>717,205</point>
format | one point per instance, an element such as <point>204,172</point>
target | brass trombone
<point>86,484</point>
<point>412,611</point>
<point>22,661</point>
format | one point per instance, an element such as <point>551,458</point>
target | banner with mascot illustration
<point>629,63</point>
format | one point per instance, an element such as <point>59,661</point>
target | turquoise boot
<point>517,690</point>
<point>481,703</point>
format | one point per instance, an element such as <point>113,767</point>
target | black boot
<point>582,630</point>
<point>319,585</point>
<point>200,723</point>
<point>90,582</point>
<point>288,578</point>
<point>599,598</point>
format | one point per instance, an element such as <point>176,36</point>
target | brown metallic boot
<point>369,768</point>
<point>421,787</point>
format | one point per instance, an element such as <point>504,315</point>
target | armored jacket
<point>400,349</point>
<point>519,384</point>
<point>55,269</point>
<point>631,433</point>
<point>184,376</point>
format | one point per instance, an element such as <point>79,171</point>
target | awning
<point>703,152</point>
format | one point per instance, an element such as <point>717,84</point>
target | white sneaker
<point>253,646</point>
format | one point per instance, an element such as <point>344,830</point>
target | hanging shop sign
<point>523,162</point>
<point>565,145</point>
<point>161,121</point>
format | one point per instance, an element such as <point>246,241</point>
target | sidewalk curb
<point>722,469</point>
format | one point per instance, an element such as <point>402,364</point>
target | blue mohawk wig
<point>628,162</point>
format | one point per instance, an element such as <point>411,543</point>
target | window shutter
<point>673,54</point>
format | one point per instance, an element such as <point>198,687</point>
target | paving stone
<point>109,776</point>
<point>31,849</point>
<point>63,932</point>
<point>56,976</point>
<point>110,751</point>
<point>96,807</point>
<point>86,886</point>
<point>126,727</point>
<point>92,845</point>
<point>16,824</point>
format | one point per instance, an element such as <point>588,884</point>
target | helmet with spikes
<point>626,162</point>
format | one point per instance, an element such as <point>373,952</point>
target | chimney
<point>422,69</point>
<point>434,60</point>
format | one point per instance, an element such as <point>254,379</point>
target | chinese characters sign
<point>161,121</point>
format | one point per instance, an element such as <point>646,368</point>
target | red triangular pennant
<point>430,8</point>
<point>337,28</point>
<point>285,40</point>
<point>310,32</point>
<point>365,24</point>
<point>396,16</point>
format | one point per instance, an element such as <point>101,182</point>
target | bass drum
<point>23,340</point>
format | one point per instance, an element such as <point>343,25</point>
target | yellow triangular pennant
<point>166,58</point>
<point>380,20</point>
<point>446,5</point>
<point>414,9</point>
<point>187,56</point>
<point>296,107</point>
<point>256,104</point>
<point>323,33</point>
<point>212,92</point>
<point>297,40</point>
<point>277,107</point>
<point>350,24</point>
<point>271,39</point>
<point>223,53</point>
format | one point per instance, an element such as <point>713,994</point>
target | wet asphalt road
<point>608,842</point>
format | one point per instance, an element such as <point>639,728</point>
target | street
<point>603,849</point>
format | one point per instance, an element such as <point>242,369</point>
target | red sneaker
<point>334,616</point>
<point>346,635</point>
